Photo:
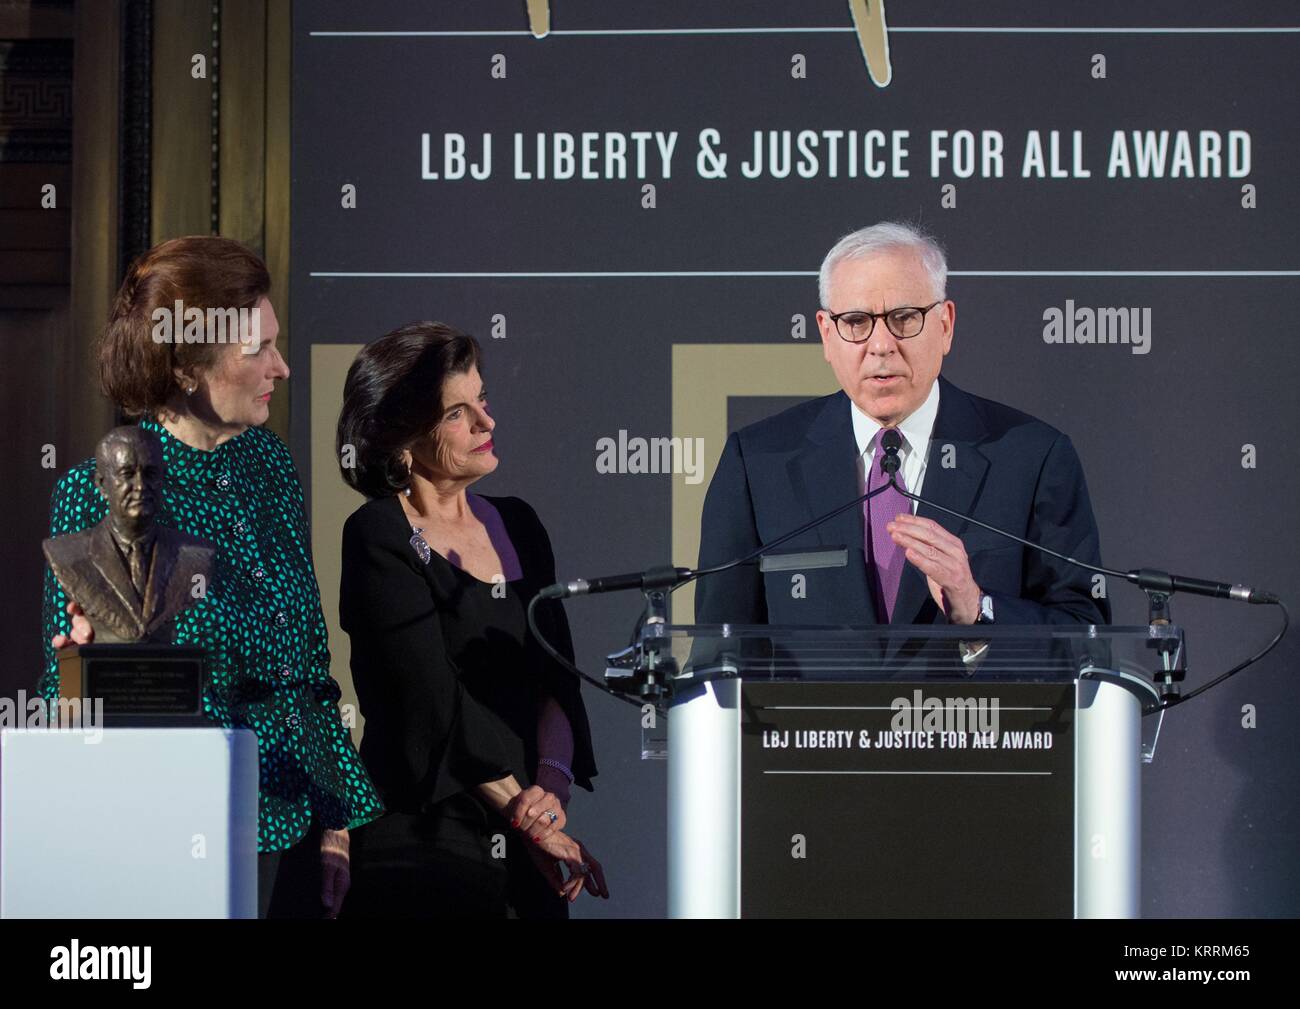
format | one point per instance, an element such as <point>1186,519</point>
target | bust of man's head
<point>129,473</point>
<point>129,575</point>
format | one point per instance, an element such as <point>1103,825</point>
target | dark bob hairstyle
<point>393,397</point>
<point>202,271</point>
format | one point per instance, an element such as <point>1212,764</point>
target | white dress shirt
<point>916,430</point>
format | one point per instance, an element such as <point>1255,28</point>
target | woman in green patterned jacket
<point>232,482</point>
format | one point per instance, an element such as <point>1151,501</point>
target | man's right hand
<point>82,632</point>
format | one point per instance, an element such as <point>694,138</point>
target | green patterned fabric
<point>260,622</point>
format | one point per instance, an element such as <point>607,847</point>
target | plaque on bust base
<point>139,684</point>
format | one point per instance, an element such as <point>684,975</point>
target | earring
<point>189,390</point>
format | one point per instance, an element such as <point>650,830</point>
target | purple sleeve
<point>554,741</point>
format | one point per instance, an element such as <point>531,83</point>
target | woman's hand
<point>530,812</point>
<point>336,870</point>
<point>82,632</point>
<point>561,850</point>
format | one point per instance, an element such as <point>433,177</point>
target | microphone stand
<point>646,666</point>
<point>1165,638</point>
<point>658,667</point>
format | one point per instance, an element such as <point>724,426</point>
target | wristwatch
<point>986,609</point>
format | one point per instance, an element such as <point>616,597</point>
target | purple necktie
<point>885,558</point>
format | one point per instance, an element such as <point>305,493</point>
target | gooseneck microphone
<point>669,577</point>
<point>653,578</point>
<point>1148,579</point>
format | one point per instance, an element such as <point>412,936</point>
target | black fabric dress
<point>450,682</point>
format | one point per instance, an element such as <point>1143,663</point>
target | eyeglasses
<point>905,322</point>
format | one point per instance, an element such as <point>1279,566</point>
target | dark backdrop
<point>1162,435</point>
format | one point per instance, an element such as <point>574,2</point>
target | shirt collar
<point>915,428</point>
<point>128,547</point>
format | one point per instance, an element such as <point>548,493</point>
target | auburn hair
<point>137,372</point>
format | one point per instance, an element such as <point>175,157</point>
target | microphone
<point>1148,579</point>
<point>662,578</point>
<point>1162,581</point>
<point>653,578</point>
<point>670,577</point>
<point>891,441</point>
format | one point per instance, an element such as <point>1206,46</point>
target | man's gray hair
<point>887,236</point>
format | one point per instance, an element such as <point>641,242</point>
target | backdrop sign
<point>630,211</point>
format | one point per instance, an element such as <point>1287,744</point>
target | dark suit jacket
<point>1007,469</point>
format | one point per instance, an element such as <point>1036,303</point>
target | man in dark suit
<point>886,325</point>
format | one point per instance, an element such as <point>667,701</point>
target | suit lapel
<point>953,479</point>
<point>823,476</point>
<point>107,561</point>
<point>161,567</point>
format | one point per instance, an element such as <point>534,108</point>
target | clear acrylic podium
<point>907,771</point>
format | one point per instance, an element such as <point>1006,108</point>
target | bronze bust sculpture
<point>128,574</point>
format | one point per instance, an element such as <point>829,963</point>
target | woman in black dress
<point>473,735</point>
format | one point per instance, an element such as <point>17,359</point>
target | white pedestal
<point>128,823</point>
